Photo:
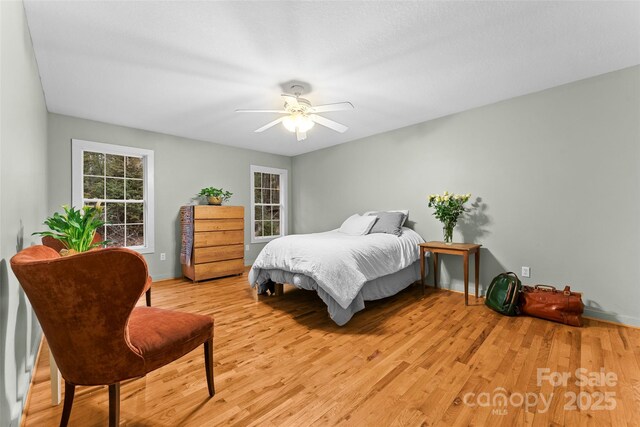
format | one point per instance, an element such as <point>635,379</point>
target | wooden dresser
<point>218,242</point>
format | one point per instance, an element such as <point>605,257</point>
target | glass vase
<point>447,230</point>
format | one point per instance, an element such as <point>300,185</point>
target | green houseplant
<point>75,229</point>
<point>215,196</point>
<point>448,207</point>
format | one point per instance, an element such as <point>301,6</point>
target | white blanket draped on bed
<point>339,263</point>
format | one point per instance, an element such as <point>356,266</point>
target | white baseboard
<point>619,319</point>
<point>590,312</point>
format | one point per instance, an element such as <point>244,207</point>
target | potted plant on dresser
<point>215,196</point>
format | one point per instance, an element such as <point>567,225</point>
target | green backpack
<point>502,295</point>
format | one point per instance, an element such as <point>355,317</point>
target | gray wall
<point>554,175</point>
<point>23,200</point>
<point>182,168</point>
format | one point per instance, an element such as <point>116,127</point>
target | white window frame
<point>79,146</point>
<point>283,202</point>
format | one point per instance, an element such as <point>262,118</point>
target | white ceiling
<point>182,68</point>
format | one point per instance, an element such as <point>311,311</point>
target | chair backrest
<point>83,303</point>
<point>57,245</point>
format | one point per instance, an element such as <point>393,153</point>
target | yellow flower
<point>445,193</point>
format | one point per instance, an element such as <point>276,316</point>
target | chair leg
<point>148,296</point>
<point>208,365</point>
<point>69,392</point>
<point>114,405</point>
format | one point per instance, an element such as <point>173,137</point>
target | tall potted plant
<point>75,229</point>
<point>447,209</point>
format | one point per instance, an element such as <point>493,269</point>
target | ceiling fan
<point>300,115</point>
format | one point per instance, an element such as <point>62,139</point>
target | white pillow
<point>357,225</point>
<point>404,211</point>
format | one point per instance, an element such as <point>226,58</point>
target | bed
<point>344,270</point>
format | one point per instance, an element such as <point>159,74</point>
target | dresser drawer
<point>211,270</point>
<point>219,224</point>
<point>218,253</point>
<point>218,238</point>
<point>218,212</point>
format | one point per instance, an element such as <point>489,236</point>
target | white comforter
<point>339,263</point>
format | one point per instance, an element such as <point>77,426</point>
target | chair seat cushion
<point>161,336</point>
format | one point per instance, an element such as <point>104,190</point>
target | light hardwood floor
<point>404,361</point>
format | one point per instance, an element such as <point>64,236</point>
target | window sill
<point>264,239</point>
<point>142,250</point>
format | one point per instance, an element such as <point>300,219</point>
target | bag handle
<point>512,274</point>
<point>546,287</point>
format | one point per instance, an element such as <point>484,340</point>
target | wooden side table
<point>463,249</point>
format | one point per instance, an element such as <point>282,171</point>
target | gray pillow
<point>388,222</point>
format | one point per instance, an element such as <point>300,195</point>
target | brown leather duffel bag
<point>549,303</point>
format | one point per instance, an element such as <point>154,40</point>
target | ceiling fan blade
<point>270,124</point>
<point>292,100</point>
<point>301,136</point>
<point>261,111</point>
<point>328,123</point>
<point>339,106</point>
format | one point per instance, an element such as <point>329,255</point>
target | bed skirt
<point>379,288</point>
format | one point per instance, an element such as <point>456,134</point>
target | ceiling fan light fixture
<point>297,123</point>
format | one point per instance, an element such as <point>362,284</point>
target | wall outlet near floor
<point>526,272</point>
<point>163,256</point>
<point>246,248</point>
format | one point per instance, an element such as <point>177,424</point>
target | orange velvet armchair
<point>86,306</point>
<point>58,246</point>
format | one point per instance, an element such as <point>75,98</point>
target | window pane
<point>275,212</point>
<point>93,187</point>
<point>266,212</point>
<point>135,235</point>
<point>258,228</point>
<point>258,196</point>
<point>276,229</point>
<point>266,196</point>
<point>93,204</point>
<point>134,167</point>
<point>275,181</point>
<point>135,213</point>
<point>257,179</point>
<point>116,177</point>
<point>275,196</point>
<point>115,233</point>
<point>93,163</point>
<point>115,165</point>
<point>135,188</point>
<point>267,228</point>
<point>115,188</point>
<point>258,213</point>
<point>115,213</point>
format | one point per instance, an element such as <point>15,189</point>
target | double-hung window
<point>268,203</point>
<point>120,179</point>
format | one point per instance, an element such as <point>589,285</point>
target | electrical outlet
<point>526,272</point>
<point>163,256</point>
<point>246,248</point>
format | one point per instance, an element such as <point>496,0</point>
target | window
<point>268,203</point>
<point>121,180</point>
